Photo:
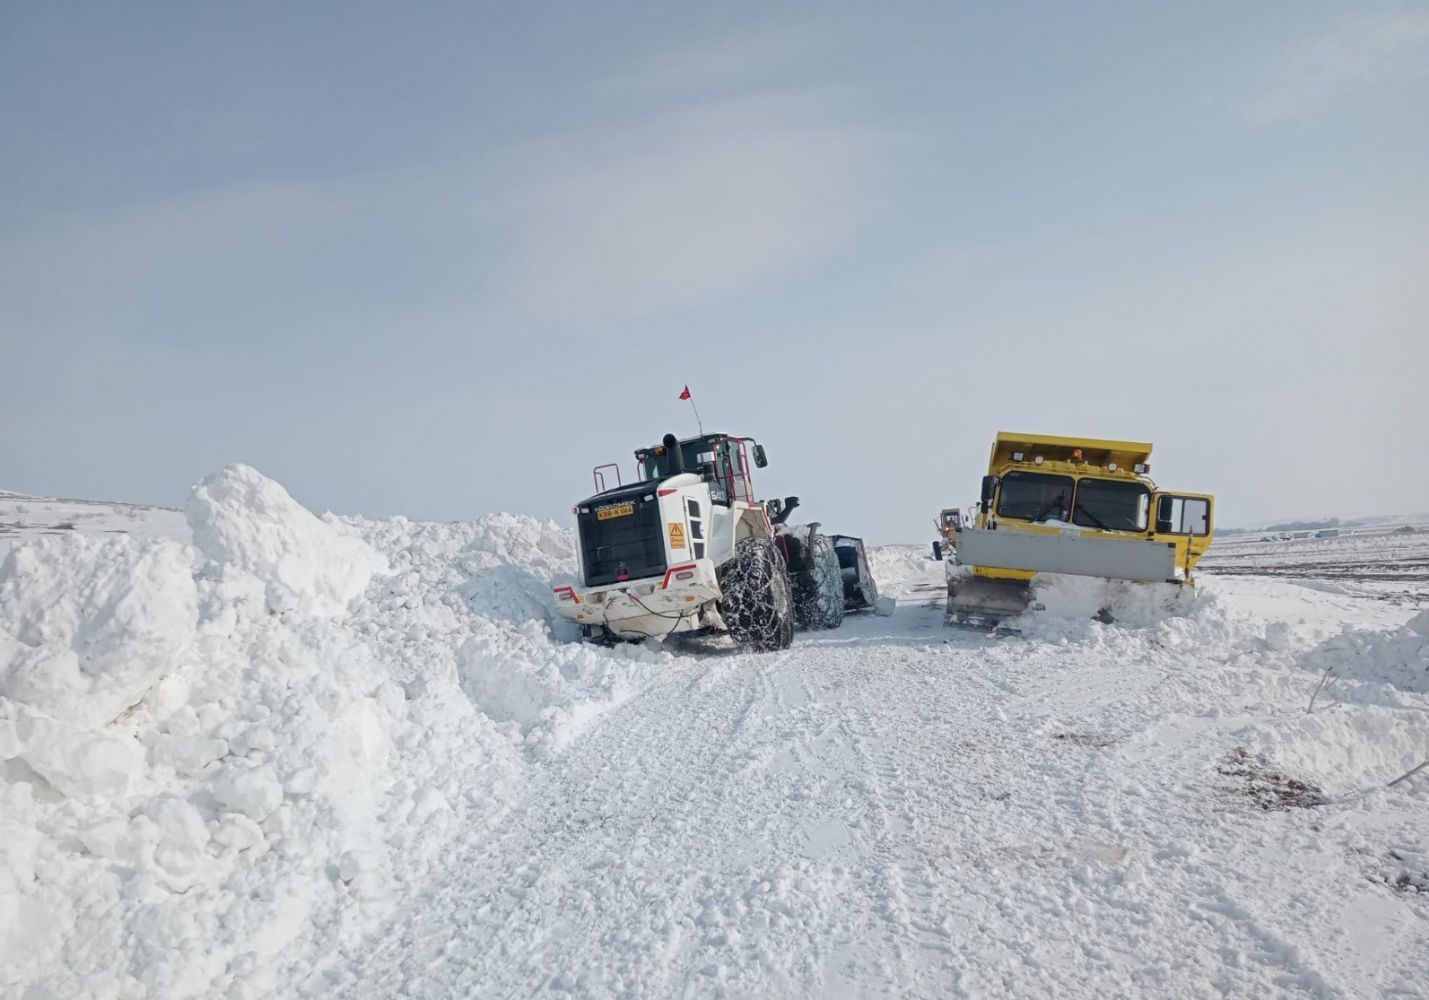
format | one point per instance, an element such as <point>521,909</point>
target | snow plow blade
<point>981,602</point>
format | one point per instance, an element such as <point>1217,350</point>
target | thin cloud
<point>697,204</point>
<point>1357,54</point>
<point>715,65</point>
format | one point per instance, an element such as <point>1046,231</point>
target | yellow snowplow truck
<point>1079,506</point>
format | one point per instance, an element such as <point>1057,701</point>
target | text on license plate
<point>619,510</point>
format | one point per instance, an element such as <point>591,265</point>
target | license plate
<point>619,510</point>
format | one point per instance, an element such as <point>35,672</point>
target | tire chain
<point>756,601</point>
<point>821,605</point>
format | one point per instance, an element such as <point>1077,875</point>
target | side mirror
<point>989,487</point>
<point>760,460</point>
<point>938,551</point>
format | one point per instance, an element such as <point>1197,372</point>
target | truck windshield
<point>1035,496</point>
<point>1111,506</point>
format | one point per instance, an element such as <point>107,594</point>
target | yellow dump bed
<point>1095,451</point>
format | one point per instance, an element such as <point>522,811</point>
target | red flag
<point>686,393</point>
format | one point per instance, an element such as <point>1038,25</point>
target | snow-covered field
<point>23,517</point>
<point>248,752</point>
<point>1391,561</point>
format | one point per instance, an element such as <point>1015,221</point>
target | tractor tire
<point>757,605</point>
<point>821,604</point>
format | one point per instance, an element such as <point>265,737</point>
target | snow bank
<point>249,527</point>
<point>547,695</point>
<point>1160,616</point>
<point>218,762</point>
<point>1396,659</point>
<point>1124,602</point>
<point>502,565</point>
<point>1371,720</point>
<point>87,626</point>
<point>1345,749</point>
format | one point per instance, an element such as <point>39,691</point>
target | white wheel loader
<point>687,549</point>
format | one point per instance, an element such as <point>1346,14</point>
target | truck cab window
<point>1035,496</point>
<point>1111,505</point>
<point>1187,515</point>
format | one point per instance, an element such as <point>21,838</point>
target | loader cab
<point>721,460</point>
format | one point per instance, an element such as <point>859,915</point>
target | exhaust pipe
<point>677,455</point>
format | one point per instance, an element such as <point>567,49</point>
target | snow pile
<point>1370,723</point>
<point>87,626</point>
<point>1344,748</point>
<point>1058,599</point>
<point>1154,616</point>
<point>252,530</point>
<point>1397,659</point>
<point>503,565</point>
<point>218,762</point>
<point>545,695</point>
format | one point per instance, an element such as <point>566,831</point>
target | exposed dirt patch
<point>1266,787</point>
<point>1094,740</point>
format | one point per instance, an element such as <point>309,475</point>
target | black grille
<point>632,546</point>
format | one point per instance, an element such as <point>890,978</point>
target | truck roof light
<point>1076,454</point>
<point>1038,460</point>
<point>1017,456</point>
<point>1111,467</point>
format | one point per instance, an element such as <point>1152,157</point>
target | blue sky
<point>441,259</point>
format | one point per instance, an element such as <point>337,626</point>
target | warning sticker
<point>677,535</point>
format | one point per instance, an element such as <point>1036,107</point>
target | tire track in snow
<point>871,814</point>
<point>630,794</point>
<point>909,905</point>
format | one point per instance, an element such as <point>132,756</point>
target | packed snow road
<point>890,810</point>
<point>250,752</point>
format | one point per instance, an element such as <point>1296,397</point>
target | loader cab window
<point>1111,506</point>
<point>655,462</point>
<point>707,468</point>
<point>721,461</point>
<point>1035,496</point>
<point>734,468</point>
